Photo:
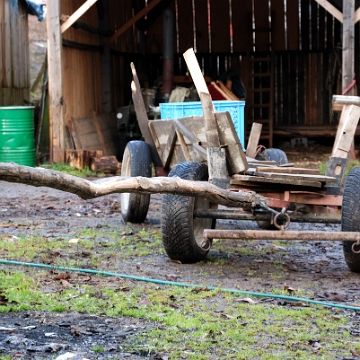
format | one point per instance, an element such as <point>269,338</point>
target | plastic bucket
<point>17,135</point>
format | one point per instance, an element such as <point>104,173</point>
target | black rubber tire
<point>136,162</point>
<point>350,217</point>
<point>182,235</point>
<point>273,154</point>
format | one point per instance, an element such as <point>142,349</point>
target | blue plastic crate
<point>183,109</point>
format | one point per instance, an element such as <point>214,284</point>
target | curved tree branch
<point>87,189</point>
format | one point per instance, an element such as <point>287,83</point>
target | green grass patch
<point>350,165</point>
<point>66,169</point>
<point>192,323</point>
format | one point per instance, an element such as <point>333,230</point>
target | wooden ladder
<point>260,96</point>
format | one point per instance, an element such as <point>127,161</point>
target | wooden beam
<point>357,15</point>
<point>348,56</point>
<point>337,14</point>
<point>133,20</point>
<point>253,140</point>
<point>77,14</point>
<point>346,131</point>
<point>331,9</point>
<point>56,100</point>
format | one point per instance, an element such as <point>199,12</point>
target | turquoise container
<point>17,135</point>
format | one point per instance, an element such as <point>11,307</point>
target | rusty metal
<point>278,235</point>
<point>353,247</point>
<point>278,218</point>
<point>243,215</point>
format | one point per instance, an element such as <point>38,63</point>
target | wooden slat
<point>348,58</point>
<point>201,23</point>
<point>253,140</point>
<point>185,28</point>
<point>288,170</point>
<point>57,139</point>
<point>169,148</point>
<point>257,180</point>
<point>292,25</point>
<point>99,133</point>
<point>241,11</point>
<point>346,131</point>
<point>132,21</point>
<point>220,33</point>
<point>278,22</point>
<point>77,14</point>
<point>331,9</point>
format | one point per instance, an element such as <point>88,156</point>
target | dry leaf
<point>65,283</point>
<point>176,261</point>
<point>226,316</point>
<point>247,300</point>
<point>63,276</point>
<point>289,289</point>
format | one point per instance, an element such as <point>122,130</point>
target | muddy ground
<point>258,266</point>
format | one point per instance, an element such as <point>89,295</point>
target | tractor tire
<point>182,234</point>
<point>350,217</point>
<point>273,154</point>
<point>136,162</point>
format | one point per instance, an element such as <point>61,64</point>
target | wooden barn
<point>291,56</point>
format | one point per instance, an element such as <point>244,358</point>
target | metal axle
<point>281,235</point>
<point>241,215</point>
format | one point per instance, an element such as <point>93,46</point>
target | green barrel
<point>17,135</point>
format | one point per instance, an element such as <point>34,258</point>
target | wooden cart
<point>207,148</point>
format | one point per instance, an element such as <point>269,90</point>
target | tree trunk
<point>87,189</point>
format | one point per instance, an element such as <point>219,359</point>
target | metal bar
<point>281,235</point>
<point>241,215</point>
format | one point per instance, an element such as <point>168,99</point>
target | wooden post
<point>56,100</point>
<point>348,72</point>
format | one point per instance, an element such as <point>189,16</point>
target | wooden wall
<point>303,38</point>
<point>14,55</point>
<point>81,65</point>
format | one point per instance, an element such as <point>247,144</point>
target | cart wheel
<point>136,162</point>
<point>273,154</point>
<point>350,217</point>
<point>182,234</point>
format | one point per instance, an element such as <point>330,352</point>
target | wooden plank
<point>184,23</point>
<point>254,138</point>
<point>262,26</point>
<point>55,74</point>
<point>169,149</point>
<point>229,94</point>
<point>331,9</point>
<point>348,58</point>
<point>230,140</point>
<point>289,170</point>
<point>99,133</point>
<point>292,33</point>
<point>345,139</point>
<point>278,23</point>
<point>142,117</point>
<point>257,180</point>
<point>241,25</point>
<point>305,25</point>
<point>301,176</point>
<point>220,30</point>
<point>183,145</point>
<point>133,20</point>
<point>77,14</point>
<point>201,23</point>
